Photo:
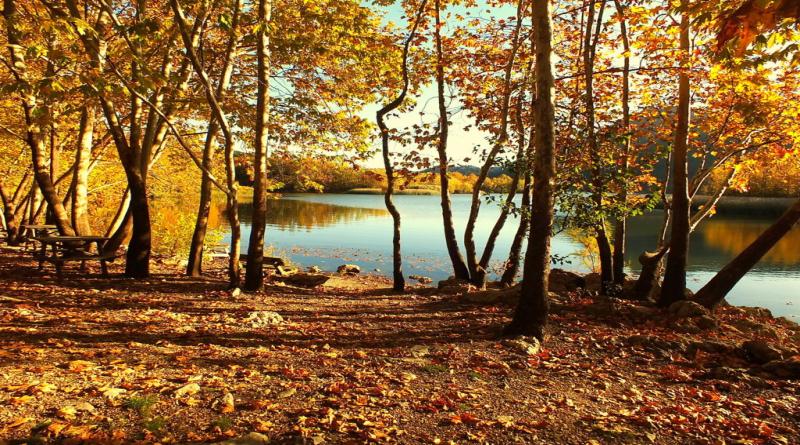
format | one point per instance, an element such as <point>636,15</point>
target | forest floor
<point>178,360</point>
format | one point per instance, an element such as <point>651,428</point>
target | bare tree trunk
<point>477,269</point>
<point>718,287</point>
<point>621,224</point>
<point>399,282</point>
<point>530,316</point>
<point>459,266</point>
<point>674,285</point>
<point>80,191</point>
<point>521,169</point>
<point>189,40</point>
<point>589,48</point>
<point>194,267</point>
<point>512,265</point>
<point>255,253</point>
<point>10,217</point>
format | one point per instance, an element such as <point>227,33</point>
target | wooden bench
<point>278,265</point>
<point>65,249</point>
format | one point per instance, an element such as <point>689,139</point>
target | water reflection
<point>732,236</point>
<point>294,214</point>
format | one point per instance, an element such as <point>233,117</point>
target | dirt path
<point>177,360</point>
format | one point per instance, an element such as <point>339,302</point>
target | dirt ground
<point>173,359</point>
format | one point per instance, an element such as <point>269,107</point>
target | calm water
<point>329,230</point>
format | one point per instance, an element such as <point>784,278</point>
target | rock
<point>643,312</point>
<point>709,346</point>
<point>259,319</point>
<point>348,269</point>
<point>187,390</point>
<point>564,281</point>
<point>454,286</point>
<point>226,404</point>
<point>601,308</point>
<point>249,439</point>
<point>420,351</point>
<point>686,326</point>
<point>687,309</point>
<point>307,279</point>
<point>492,296</point>
<point>760,352</point>
<point>592,281</point>
<point>706,322</point>
<point>523,345</point>
<point>785,369</point>
<point>314,269</point>
<point>421,279</point>
<point>653,342</point>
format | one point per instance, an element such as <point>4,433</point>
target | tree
<point>397,258</point>
<point>255,253</point>
<point>459,266</point>
<point>530,316</point>
<point>674,285</point>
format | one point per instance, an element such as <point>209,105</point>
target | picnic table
<point>73,248</point>
<point>32,231</point>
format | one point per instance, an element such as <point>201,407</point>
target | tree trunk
<point>398,282</point>
<point>674,285</point>
<point>718,287</point>
<point>9,214</point>
<point>137,261</point>
<point>530,316</point>
<point>254,278</point>
<point>512,265</point>
<point>477,269</point>
<point>589,48</point>
<point>80,194</point>
<point>621,224</point>
<point>194,268</point>
<point>459,266</point>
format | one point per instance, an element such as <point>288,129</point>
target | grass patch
<point>223,423</point>
<point>142,404</point>
<point>435,369</point>
<point>155,424</point>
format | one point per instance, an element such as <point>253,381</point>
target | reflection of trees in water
<point>733,236</point>
<point>294,214</point>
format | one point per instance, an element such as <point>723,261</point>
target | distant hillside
<point>466,170</point>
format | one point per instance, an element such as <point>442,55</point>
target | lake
<point>328,230</point>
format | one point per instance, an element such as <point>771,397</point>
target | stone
<point>760,352</point>
<point>592,281</point>
<point>307,279</point>
<point>249,439</point>
<point>348,269</point>
<point>258,319</point>
<point>687,309</point>
<point>706,322</point>
<point>454,286</point>
<point>421,279</point>
<point>785,369</point>
<point>709,346</point>
<point>187,390</point>
<point>523,345</point>
<point>654,342</point>
<point>492,296</point>
<point>565,281</point>
<point>643,312</point>
<point>315,269</point>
